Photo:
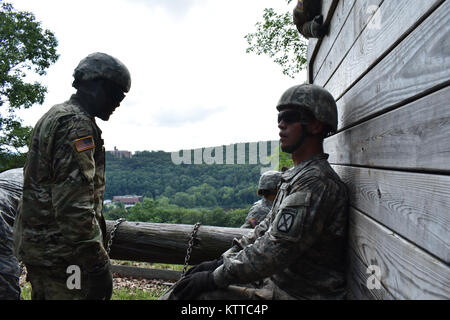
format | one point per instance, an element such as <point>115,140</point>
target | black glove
<point>205,266</point>
<point>100,284</point>
<point>190,287</point>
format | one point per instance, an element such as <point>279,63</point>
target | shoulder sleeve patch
<point>85,143</point>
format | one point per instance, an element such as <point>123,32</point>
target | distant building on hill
<point>128,201</point>
<point>120,153</point>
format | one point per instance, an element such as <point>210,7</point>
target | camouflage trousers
<point>266,291</point>
<point>51,283</point>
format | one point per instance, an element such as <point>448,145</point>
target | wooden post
<point>167,243</point>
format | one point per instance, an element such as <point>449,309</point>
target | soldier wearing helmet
<point>267,189</point>
<point>298,251</point>
<point>60,230</point>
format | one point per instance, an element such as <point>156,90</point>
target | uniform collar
<point>76,101</point>
<point>289,174</point>
<point>79,103</point>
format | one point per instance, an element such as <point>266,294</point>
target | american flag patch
<point>85,143</point>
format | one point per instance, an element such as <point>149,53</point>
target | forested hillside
<point>153,174</point>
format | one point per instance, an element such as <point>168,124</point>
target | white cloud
<point>193,85</point>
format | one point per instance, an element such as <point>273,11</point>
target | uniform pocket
<point>289,221</point>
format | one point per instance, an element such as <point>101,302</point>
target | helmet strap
<point>300,140</point>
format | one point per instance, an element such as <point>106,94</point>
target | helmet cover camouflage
<point>269,180</point>
<point>315,99</point>
<point>103,66</point>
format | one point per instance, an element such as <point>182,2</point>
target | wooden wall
<point>387,63</point>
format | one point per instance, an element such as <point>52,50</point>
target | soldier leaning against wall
<point>298,251</point>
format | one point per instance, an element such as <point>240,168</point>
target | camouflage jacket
<point>301,244</point>
<point>257,213</point>
<point>60,221</point>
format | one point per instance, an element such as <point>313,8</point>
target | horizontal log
<point>146,273</point>
<point>167,243</point>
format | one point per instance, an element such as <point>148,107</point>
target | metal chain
<point>112,233</point>
<point>189,249</point>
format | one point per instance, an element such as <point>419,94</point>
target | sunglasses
<point>292,116</point>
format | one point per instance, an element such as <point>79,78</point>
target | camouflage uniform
<point>299,249</point>
<point>257,213</point>
<point>60,222</point>
<point>269,180</point>
<point>10,192</point>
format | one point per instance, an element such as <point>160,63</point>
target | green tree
<point>25,49</point>
<point>277,37</point>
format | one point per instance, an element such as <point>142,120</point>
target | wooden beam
<point>414,205</point>
<point>414,136</point>
<point>146,273</point>
<point>407,272</point>
<point>167,243</point>
<point>393,21</point>
<point>420,63</point>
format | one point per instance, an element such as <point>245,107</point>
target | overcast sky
<point>193,85</point>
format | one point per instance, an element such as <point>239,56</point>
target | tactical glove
<point>192,286</point>
<point>205,266</point>
<point>100,284</point>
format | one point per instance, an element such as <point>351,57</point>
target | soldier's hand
<point>192,286</point>
<point>100,284</point>
<point>205,266</point>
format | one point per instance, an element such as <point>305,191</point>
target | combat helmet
<point>313,98</point>
<point>269,181</point>
<point>103,66</point>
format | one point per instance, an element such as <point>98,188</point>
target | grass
<point>123,293</point>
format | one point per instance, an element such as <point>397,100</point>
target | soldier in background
<point>308,20</point>
<point>60,230</point>
<point>299,249</point>
<point>267,188</point>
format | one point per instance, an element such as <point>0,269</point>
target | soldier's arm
<point>239,244</point>
<point>295,227</point>
<point>73,191</point>
<point>250,215</point>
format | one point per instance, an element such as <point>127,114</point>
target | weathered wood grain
<point>418,64</point>
<point>357,279</point>
<point>349,21</point>
<point>396,18</point>
<point>146,273</point>
<point>167,243</point>
<point>407,272</point>
<point>414,205</point>
<point>328,7</point>
<point>415,136</point>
